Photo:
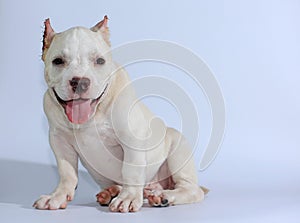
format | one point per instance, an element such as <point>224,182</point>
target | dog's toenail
<point>164,201</point>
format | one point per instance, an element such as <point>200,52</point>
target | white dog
<point>94,115</point>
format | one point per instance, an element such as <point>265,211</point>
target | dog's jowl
<point>94,116</point>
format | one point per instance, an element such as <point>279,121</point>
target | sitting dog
<point>94,116</point>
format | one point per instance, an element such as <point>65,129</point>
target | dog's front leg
<point>67,162</point>
<point>133,173</point>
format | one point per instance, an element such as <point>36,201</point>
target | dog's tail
<point>205,190</point>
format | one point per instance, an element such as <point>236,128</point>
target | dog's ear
<point>48,36</point>
<point>103,29</point>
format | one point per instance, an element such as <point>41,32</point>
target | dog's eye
<point>58,61</point>
<point>100,61</point>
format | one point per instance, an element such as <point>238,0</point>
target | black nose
<point>80,85</point>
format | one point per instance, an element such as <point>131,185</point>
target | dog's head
<point>78,66</point>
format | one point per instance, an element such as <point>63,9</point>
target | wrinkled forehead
<point>77,42</point>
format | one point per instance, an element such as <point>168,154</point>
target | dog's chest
<point>101,131</point>
<point>106,134</point>
<point>97,140</point>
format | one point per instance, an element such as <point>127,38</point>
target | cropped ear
<point>48,36</point>
<point>103,29</point>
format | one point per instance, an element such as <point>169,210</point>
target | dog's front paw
<point>129,200</point>
<point>53,202</point>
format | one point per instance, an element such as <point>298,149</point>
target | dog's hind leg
<point>183,174</point>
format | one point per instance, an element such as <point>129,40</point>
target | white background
<point>253,49</point>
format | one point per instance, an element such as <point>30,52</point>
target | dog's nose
<point>80,85</point>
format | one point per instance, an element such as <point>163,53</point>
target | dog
<point>94,116</point>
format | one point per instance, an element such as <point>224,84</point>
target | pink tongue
<point>79,111</point>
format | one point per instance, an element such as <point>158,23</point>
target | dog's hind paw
<point>104,197</point>
<point>158,201</point>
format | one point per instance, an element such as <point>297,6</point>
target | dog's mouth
<point>80,110</point>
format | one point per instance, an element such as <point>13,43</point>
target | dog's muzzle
<point>80,110</point>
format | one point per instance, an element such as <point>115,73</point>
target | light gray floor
<point>22,183</point>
